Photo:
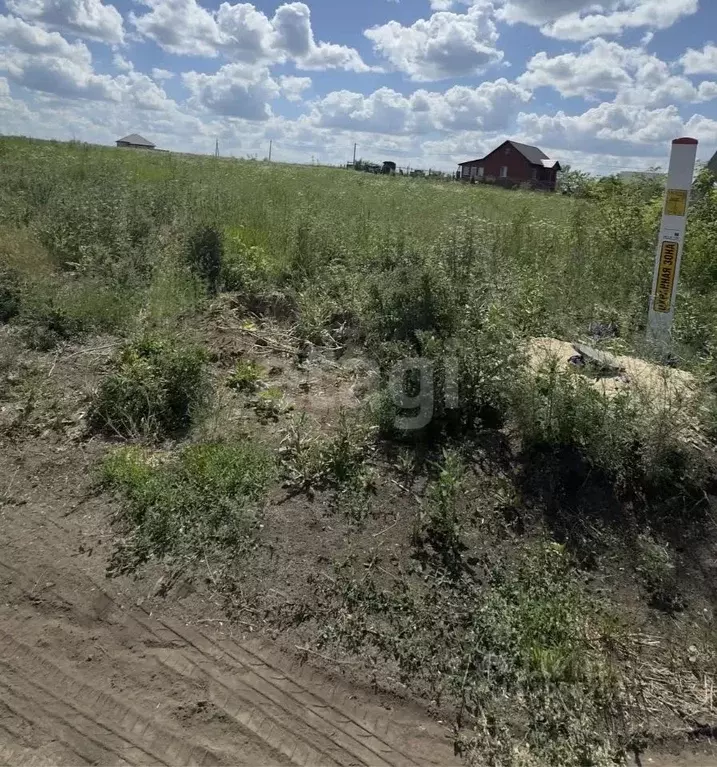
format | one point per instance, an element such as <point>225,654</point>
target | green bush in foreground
<point>9,294</point>
<point>53,313</point>
<point>205,256</point>
<point>640,439</point>
<point>519,647</point>
<point>199,503</point>
<point>154,390</point>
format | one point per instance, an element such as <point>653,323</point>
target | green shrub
<point>516,645</point>
<point>411,298</point>
<point>99,226</point>
<point>60,309</point>
<point>441,522</point>
<point>310,460</point>
<point>246,376</point>
<point>10,294</point>
<point>198,504</point>
<point>205,254</point>
<point>636,443</point>
<point>154,390</point>
<point>245,267</point>
<point>472,376</point>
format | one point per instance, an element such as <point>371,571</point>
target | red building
<point>512,164</point>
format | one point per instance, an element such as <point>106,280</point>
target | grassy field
<point>536,560</point>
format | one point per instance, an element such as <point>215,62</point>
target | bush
<point>205,255</point>
<point>472,376</point>
<point>200,503</point>
<point>245,267</point>
<point>411,298</point>
<point>246,376</point>
<point>155,389</point>
<point>636,443</point>
<point>516,644</point>
<point>55,313</point>
<point>311,461</point>
<point>10,294</point>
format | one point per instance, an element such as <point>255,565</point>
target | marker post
<point>671,242</point>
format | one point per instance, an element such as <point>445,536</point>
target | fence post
<point>671,242</point>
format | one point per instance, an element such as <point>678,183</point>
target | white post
<point>671,242</point>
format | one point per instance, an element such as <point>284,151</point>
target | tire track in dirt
<point>354,734</point>
<point>100,717</point>
<point>271,699</point>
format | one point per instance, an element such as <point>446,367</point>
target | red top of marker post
<point>685,141</point>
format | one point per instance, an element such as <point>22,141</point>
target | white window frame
<point>504,171</point>
<point>481,171</point>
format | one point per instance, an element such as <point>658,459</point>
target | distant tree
<point>575,182</point>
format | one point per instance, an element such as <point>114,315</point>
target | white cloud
<point>4,87</point>
<point>242,33</point>
<point>246,33</point>
<point>44,62</point>
<point>629,14</point>
<point>601,67</point>
<point>700,62</point>
<point>57,76</point>
<point>538,12</point>
<point>72,80</point>
<point>161,74</point>
<point>179,26</point>
<point>489,107</point>
<point>143,93</point>
<point>236,90</point>
<point>707,91</point>
<point>293,87</point>
<point>445,45</point>
<point>86,18</point>
<point>34,40</point>
<point>615,128</point>
<point>121,63</point>
<point>584,19</point>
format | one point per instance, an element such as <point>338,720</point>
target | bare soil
<point>121,671</point>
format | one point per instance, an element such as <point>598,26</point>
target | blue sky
<point>604,85</point>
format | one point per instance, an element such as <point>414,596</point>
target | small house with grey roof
<point>135,141</point>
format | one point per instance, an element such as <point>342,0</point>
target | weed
<point>245,267</point>
<point>154,390</point>
<point>311,461</point>
<point>621,433</point>
<point>10,294</point>
<point>655,564</point>
<point>521,652</point>
<point>205,254</point>
<point>199,504</point>
<point>270,405</point>
<point>440,522</point>
<point>246,376</point>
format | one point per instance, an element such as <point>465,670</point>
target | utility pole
<point>671,243</point>
<point>271,143</point>
<point>216,149</point>
<point>355,145</point>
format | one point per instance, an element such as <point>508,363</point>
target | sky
<point>601,85</point>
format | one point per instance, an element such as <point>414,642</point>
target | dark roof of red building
<point>532,154</point>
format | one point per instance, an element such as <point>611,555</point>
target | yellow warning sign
<point>676,204</point>
<point>666,277</point>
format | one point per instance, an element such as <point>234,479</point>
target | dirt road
<point>88,675</point>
